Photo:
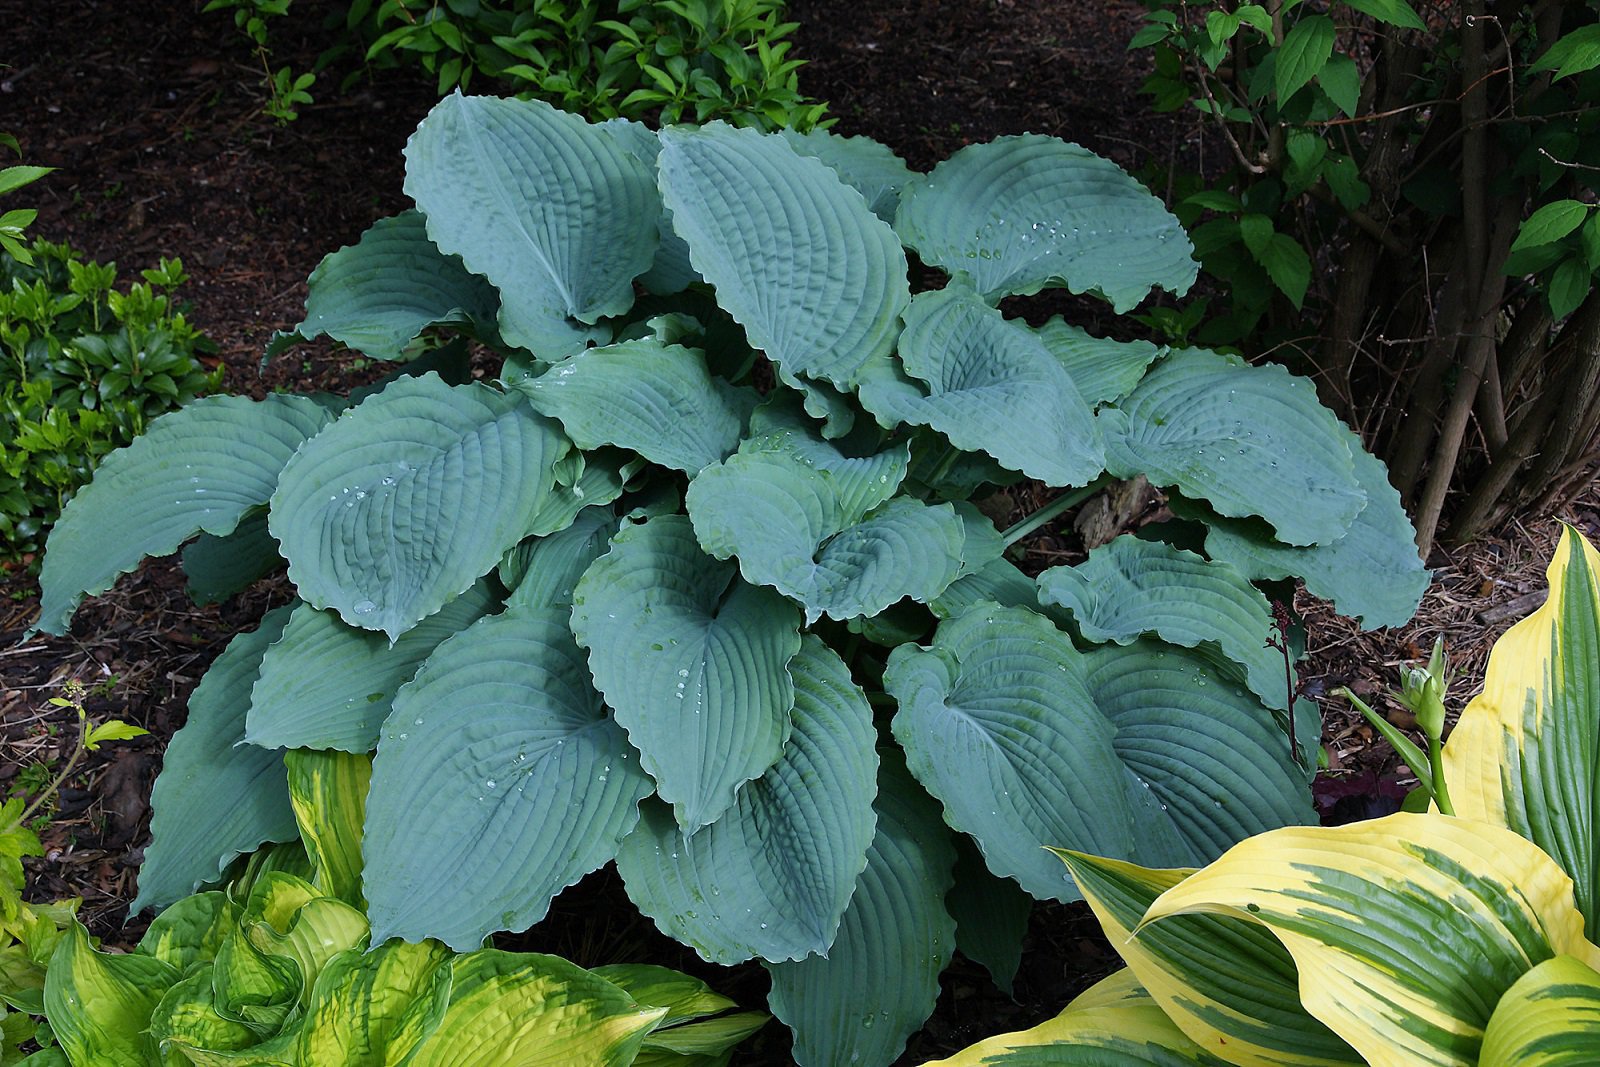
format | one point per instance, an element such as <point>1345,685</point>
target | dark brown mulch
<point>151,112</point>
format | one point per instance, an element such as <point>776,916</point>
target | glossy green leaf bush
<point>84,367</point>
<point>698,583</point>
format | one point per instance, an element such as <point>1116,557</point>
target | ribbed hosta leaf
<point>880,979</point>
<point>543,571</point>
<point>528,1008</point>
<point>694,661</point>
<point>1372,573</point>
<point>557,213</point>
<point>370,1009</point>
<point>799,528</point>
<point>327,685</point>
<point>410,497</point>
<point>671,272</point>
<point>1131,588</point>
<point>1549,1018</point>
<point>606,474</point>
<point>196,469</point>
<point>215,797</point>
<point>991,915</point>
<point>328,791</point>
<point>870,168</point>
<point>1526,752</point>
<point>817,281</point>
<point>499,781</point>
<point>1023,213</point>
<point>990,386</point>
<point>99,1003</point>
<point>658,400</point>
<point>1225,981</point>
<point>1414,925</point>
<point>772,876</point>
<point>378,294</point>
<point>1102,369</point>
<point>1137,751</point>
<point>1248,440</point>
<point>218,567</point>
<point>999,581</point>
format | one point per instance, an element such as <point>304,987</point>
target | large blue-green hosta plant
<point>696,585</point>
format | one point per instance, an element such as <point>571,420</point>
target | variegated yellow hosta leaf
<point>1526,753</point>
<point>1406,930</point>
<point>1550,1018</point>
<point>328,791</point>
<point>1226,983</point>
<point>1113,1023</point>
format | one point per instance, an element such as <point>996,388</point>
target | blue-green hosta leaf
<point>990,386</point>
<point>500,780</point>
<point>190,931</point>
<point>991,915</point>
<point>542,572</point>
<point>216,796</point>
<point>1102,369</point>
<point>327,685</point>
<point>772,876</point>
<point>785,521</point>
<point>817,281</point>
<point>1029,743</point>
<point>1372,573</point>
<point>1000,582</point>
<point>1131,588</point>
<point>370,1010</point>
<point>671,272</point>
<point>99,1004</point>
<point>606,475</point>
<point>870,168</point>
<point>693,659</point>
<point>1248,440</point>
<point>218,567</point>
<point>378,294</point>
<point>197,469</point>
<point>1023,213</point>
<point>658,400</point>
<point>858,483</point>
<point>880,979</point>
<point>557,213</point>
<point>526,1008</point>
<point>410,497</point>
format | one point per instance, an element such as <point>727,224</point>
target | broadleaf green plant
<point>699,582</point>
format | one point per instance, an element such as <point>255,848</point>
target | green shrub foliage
<point>698,583</point>
<point>83,370</point>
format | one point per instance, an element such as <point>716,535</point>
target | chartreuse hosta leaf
<point>557,213</point>
<point>795,522</point>
<point>186,1028</point>
<point>1022,213</point>
<point>200,468</point>
<point>327,685</point>
<point>1372,573</point>
<point>989,385</point>
<point>216,796</point>
<point>817,281</point>
<point>98,1004</point>
<point>693,660</point>
<point>1248,440</point>
<point>1102,369</point>
<point>410,497</point>
<point>371,1009</point>
<point>1226,983</point>
<point>526,1008</point>
<point>868,167</point>
<point>1406,930</point>
<point>378,294</point>
<point>772,876</point>
<point>1526,753</point>
<point>1549,1018</point>
<point>658,400</point>
<point>1131,587</point>
<point>1138,750</point>
<point>328,791</point>
<point>1111,1024</point>
<point>499,781</point>
<point>191,930</point>
<point>879,980</point>
<point>685,1036</point>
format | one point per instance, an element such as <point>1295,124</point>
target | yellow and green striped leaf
<point>99,1004</point>
<point>371,1010</point>
<point>1549,1018</point>
<point>1406,930</point>
<point>328,791</point>
<point>1226,982</point>
<point>1526,754</point>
